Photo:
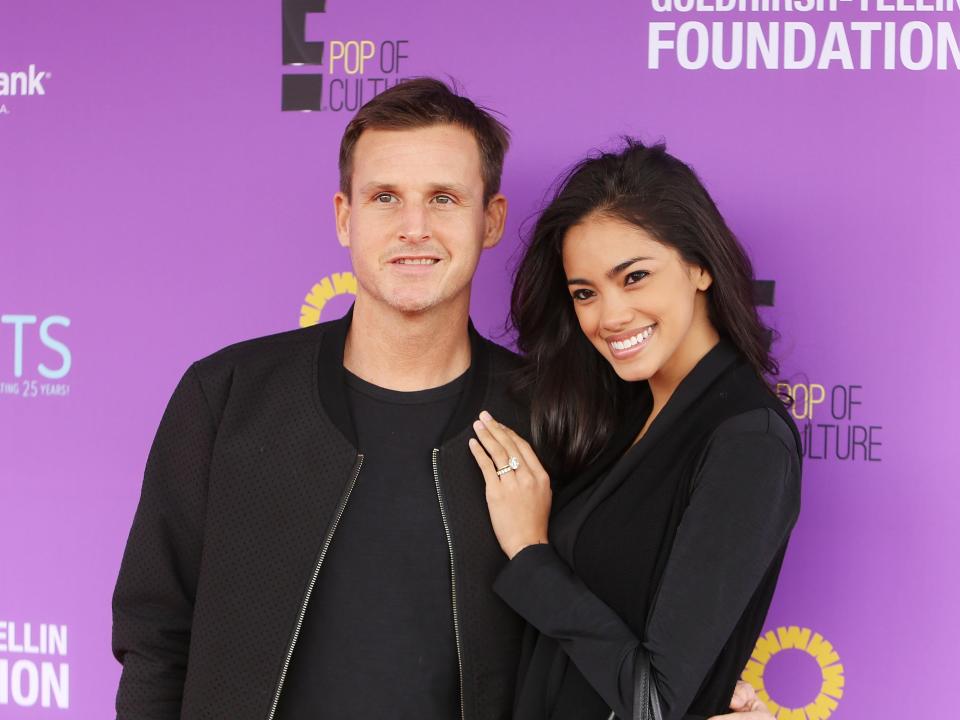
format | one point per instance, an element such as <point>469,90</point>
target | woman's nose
<point>615,315</point>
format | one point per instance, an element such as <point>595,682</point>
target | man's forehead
<point>438,154</point>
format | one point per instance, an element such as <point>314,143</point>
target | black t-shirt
<point>377,639</point>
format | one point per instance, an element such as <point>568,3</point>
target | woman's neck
<point>700,339</point>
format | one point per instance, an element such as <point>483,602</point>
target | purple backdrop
<point>156,204</point>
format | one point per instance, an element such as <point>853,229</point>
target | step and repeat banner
<point>166,175</point>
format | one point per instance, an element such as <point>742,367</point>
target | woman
<point>676,468</point>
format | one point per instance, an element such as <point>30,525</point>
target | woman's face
<point>637,301</point>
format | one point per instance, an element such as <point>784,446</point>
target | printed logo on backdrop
<point>809,671</point>
<point>356,69</point>
<point>804,34</point>
<point>34,359</point>
<point>34,672</point>
<point>336,285</point>
<point>763,291</point>
<point>833,421</point>
<point>27,83</point>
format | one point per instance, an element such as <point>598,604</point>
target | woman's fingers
<point>528,455</point>
<point>514,447</point>
<point>741,697</point>
<point>746,705</point>
<point>745,699</point>
<point>503,444</point>
<point>519,502</point>
<point>487,467</point>
<point>491,443</point>
<point>502,435</point>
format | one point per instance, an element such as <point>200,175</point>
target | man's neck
<point>407,351</point>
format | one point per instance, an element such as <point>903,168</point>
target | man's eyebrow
<point>376,185</point>
<point>612,273</point>
<point>452,187</point>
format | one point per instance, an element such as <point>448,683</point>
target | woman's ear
<point>701,277</point>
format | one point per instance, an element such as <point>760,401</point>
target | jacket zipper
<point>313,581</point>
<point>453,578</point>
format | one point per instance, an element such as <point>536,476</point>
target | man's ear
<point>341,209</point>
<point>495,218</point>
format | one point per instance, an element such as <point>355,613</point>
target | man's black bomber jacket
<point>249,471</point>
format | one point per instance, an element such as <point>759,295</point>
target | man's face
<point>416,222</point>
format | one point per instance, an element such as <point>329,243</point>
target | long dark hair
<point>576,397</point>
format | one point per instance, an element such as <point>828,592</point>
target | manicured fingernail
<point>477,424</point>
<point>485,416</point>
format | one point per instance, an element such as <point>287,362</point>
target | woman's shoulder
<point>741,403</point>
<point>754,452</point>
<point>762,421</point>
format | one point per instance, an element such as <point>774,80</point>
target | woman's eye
<point>635,276</point>
<point>582,294</point>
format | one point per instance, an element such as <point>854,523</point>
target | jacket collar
<point>332,380</point>
<point>620,456</point>
<point>707,370</point>
<point>710,367</point>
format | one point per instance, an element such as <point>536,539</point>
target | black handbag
<point>646,699</point>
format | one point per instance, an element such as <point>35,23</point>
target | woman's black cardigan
<point>671,547</point>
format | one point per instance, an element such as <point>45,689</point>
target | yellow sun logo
<point>831,671</point>
<point>330,287</point>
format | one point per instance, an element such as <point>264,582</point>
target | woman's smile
<point>626,345</point>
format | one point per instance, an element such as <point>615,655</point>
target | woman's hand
<point>746,705</point>
<point>518,499</point>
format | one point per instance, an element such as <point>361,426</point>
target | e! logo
<point>302,91</point>
<point>763,297</point>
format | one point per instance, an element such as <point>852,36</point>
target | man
<point>312,538</point>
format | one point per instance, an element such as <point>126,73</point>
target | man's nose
<point>414,223</point>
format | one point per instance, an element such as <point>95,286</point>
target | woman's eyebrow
<point>612,273</point>
<point>616,270</point>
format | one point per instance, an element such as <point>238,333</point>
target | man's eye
<point>443,200</point>
<point>383,198</point>
<point>582,294</point>
<point>635,276</point>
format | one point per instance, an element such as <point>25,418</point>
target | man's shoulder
<point>502,358</point>
<point>272,366</point>
<point>507,398</point>
<point>284,356</point>
<point>265,349</point>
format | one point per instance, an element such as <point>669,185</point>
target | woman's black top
<point>671,547</point>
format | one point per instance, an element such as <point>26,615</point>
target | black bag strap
<point>646,699</point>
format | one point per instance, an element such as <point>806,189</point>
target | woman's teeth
<point>630,342</point>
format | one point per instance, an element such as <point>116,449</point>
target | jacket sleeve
<point>154,596</point>
<point>742,509</point>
